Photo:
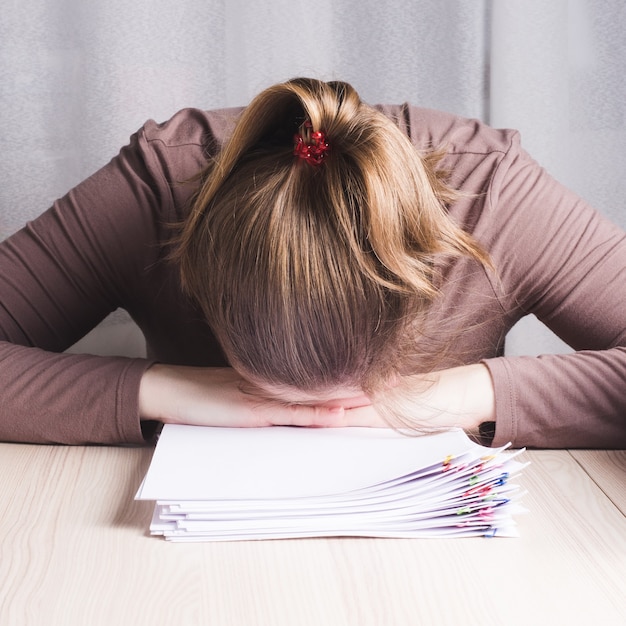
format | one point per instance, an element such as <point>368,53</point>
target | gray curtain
<point>77,77</point>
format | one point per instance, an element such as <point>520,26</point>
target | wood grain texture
<point>608,470</point>
<point>75,551</point>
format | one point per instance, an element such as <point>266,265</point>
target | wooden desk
<point>74,551</point>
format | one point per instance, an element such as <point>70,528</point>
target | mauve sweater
<point>104,246</point>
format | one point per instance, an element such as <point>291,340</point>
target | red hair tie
<point>313,152</point>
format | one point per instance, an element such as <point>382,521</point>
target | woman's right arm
<point>59,277</point>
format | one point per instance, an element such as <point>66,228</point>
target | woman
<point>325,263</point>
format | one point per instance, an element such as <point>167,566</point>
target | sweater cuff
<point>506,401</point>
<point>129,425</point>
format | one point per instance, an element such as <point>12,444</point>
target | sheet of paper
<point>203,463</point>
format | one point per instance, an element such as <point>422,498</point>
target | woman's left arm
<point>559,259</point>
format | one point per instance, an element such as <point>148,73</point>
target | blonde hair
<point>313,277</point>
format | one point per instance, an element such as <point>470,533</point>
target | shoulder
<point>192,127</point>
<point>183,144</point>
<point>477,156</point>
<point>177,150</point>
<point>432,129</point>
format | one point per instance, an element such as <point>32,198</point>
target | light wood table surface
<point>75,551</point>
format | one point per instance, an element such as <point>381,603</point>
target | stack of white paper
<point>267,483</point>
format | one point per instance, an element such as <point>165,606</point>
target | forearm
<point>187,395</point>
<point>460,397</point>
<point>203,396</point>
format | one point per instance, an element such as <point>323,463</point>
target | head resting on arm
<point>313,276</point>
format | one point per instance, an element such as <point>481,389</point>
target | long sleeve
<point>559,259</point>
<point>60,276</point>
